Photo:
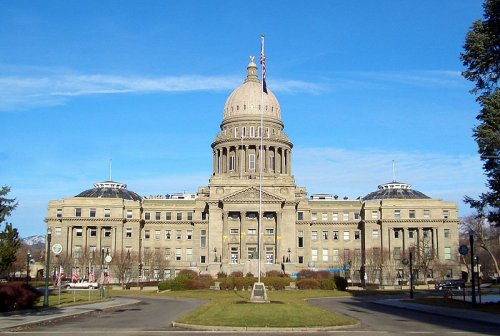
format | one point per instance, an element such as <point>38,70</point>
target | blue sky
<point>360,83</point>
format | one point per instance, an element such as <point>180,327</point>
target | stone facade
<point>216,229</point>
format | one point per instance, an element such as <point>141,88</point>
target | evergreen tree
<point>9,237</point>
<point>481,56</point>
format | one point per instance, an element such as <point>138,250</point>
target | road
<point>153,316</point>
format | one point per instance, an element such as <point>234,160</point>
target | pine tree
<point>481,56</point>
<point>9,237</point>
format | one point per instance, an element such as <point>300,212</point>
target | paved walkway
<point>443,311</point>
<point>14,320</point>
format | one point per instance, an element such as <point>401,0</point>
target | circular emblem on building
<point>463,250</point>
<point>405,261</point>
<point>108,258</point>
<point>57,249</point>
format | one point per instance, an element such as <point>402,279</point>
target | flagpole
<point>262,61</point>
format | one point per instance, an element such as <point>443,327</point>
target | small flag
<point>101,278</point>
<point>108,277</point>
<point>91,275</point>
<point>263,62</point>
<point>74,275</point>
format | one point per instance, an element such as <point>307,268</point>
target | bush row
<point>16,296</point>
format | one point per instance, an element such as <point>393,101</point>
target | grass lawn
<point>287,309</point>
<point>493,308</point>
<point>68,298</point>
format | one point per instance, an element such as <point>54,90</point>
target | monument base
<point>259,293</point>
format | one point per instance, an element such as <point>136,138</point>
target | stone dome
<point>110,189</point>
<point>395,190</point>
<point>245,100</point>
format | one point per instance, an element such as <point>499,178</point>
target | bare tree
<point>373,265</point>
<point>423,258</point>
<point>122,264</point>
<point>486,237</point>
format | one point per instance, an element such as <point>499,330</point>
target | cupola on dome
<point>246,99</point>
<point>395,190</point>
<point>110,189</point>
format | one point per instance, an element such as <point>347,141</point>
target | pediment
<point>251,195</point>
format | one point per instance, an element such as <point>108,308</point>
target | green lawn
<point>287,309</point>
<point>69,298</point>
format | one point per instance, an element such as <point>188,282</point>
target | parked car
<point>451,284</point>
<point>81,285</point>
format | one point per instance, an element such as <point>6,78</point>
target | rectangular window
<point>234,231</point>
<point>92,212</point>
<point>397,214</point>
<point>345,216</point>
<point>411,214</point>
<point>178,234</point>
<point>189,234</point>
<point>411,234</point>
<point>357,255</point>
<point>167,253</point>
<point>426,234</point>
<point>272,163</point>
<point>335,216</point>
<point>190,215</point>
<point>396,234</point>
<point>447,233</point>
<point>314,235</point>
<point>147,234</point>
<point>252,231</point>
<point>357,216</point>
<point>128,233</point>
<point>347,255</point>
<point>59,213</point>
<point>167,273</point>
<point>157,234</point>
<point>178,254</point>
<point>325,255</point>
<point>446,214</point>
<point>374,214</point>
<point>107,233</point>
<point>147,216</point>
<point>157,215</point>
<point>129,214</point>
<point>375,234</point>
<point>357,235</point>
<point>269,254</point>
<point>347,235</point>
<point>92,251</point>
<point>77,252</point>
<point>314,216</point>
<point>251,162</point>
<point>252,252</point>
<point>269,231</point>
<point>427,214</point>
<point>335,235</point>
<point>203,238</point>
<point>300,259</point>
<point>107,213</point>
<point>324,216</point>
<point>231,163</point>
<point>234,255</point>
<point>79,232</point>
<point>189,254</point>
<point>300,215</point>
<point>300,239</point>
<point>336,255</point>
<point>203,259</point>
<point>93,232</point>
<point>168,215</point>
<point>447,253</point>
<point>179,216</point>
<point>324,234</point>
<point>78,212</point>
<point>236,132</point>
<point>314,255</point>
<point>168,234</point>
<point>252,132</point>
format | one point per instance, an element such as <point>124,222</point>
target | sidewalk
<point>10,321</point>
<point>442,311</point>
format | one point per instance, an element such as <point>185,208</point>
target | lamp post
<point>101,277</point>
<point>472,278</point>
<point>409,263</point>
<point>28,258</point>
<point>47,266</point>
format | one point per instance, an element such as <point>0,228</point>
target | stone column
<point>289,161</point>
<point>70,241</point>
<point>214,163</point>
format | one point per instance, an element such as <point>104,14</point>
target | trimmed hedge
<point>16,296</point>
<point>308,284</point>
<point>340,282</point>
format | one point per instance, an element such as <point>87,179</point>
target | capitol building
<point>216,229</point>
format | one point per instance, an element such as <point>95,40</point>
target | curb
<point>260,329</point>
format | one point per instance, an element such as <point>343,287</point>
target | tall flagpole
<point>263,74</point>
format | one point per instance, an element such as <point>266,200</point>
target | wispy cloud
<point>52,87</point>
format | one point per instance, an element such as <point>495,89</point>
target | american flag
<point>91,275</point>
<point>263,62</point>
<point>59,277</point>
<point>74,275</point>
<point>101,278</point>
<point>108,277</point>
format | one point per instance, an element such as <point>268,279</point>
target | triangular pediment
<point>251,195</point>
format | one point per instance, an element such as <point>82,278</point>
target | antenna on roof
<point>110,165</point>
<point>393,172</point>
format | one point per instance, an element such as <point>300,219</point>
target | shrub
<point>191,284</point>
<point>187,273</point>
<point>237,274</point>
<point>273,273</point>
<point>276,282</point>
<point>308,284</point>
<point>322,275</point>
<point>16,296</point>
<point>306,274</point>
<point>249,275</point>
<point>221,275</point>
<point>340,282</point>
<point>328,284</point>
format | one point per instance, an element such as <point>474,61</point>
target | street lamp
<point>28,258</point>
<point>472,279</point>
<point>410,264</point>
<point>47,266</point>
